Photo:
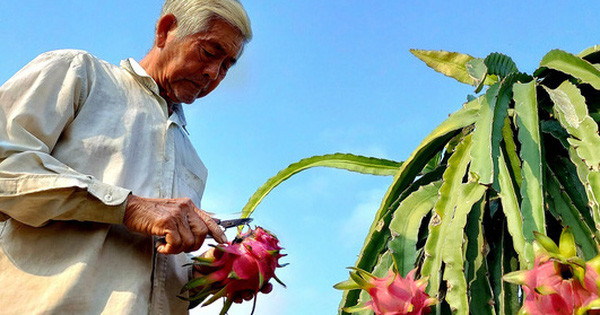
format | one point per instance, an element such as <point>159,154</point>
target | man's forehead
<point>222,36</point>
<point>223,46</point>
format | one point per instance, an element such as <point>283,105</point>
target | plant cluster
<point>521,155</point>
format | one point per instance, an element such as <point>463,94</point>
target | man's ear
<point>166,24</point>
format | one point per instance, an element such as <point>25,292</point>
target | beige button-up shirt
<point>77,135</point>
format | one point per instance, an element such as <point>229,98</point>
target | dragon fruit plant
<point>521,155</point>
<point>237,270</point>
<point>390,295</point>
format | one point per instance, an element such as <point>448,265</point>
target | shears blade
<point>233,222</point>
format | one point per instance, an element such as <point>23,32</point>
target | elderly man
<point>95,165</point>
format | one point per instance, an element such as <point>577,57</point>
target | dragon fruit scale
<point>391,295</point>
<point>237,270</point>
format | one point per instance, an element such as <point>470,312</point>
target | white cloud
<point>354,229</point>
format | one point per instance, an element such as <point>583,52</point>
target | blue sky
<point>319,77</point>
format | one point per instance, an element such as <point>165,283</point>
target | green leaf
<point>545,289</point>
<point>347,285</point>
<point>510,207</point>
<point>215,297</point>
<point>363,274</point>
<point>444,210</point>
<point>354,276</point>
<point>423,180</point>
<point>453,251</point>
<point>478,71</point>
<point>451,64</point>
<point>350,162</point>
<point>476,268</point>
<point>502,261</point>
<point>571,111</point>
<point>510,150</point>
<point>516,277</point>
<point>194,283</point>
<point>356,308</point>
<point>207,260</point>
<point>566,244</point>
<point>384,264</point>
<point>462,67</point>
<point>433,163</point>
<point>197,298</point>
<point>594,186</point>
<point>503,100</point>
<point>572,65</point>
<point>546,243</point>
<point>500,65</point>
<point>583,174</point>
<point>532,203</point>
<point>226,306</point>
<point>490,129</point>
<point>561,169</point>
<point>591,55</point>
<point>500,104</point>
<point>279,281</point>
<point>554,128</point>
<point>481,153</point>
<point>588,51</point>
<point>405,225</point>
<point>562,207</point>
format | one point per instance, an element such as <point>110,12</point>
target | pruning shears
<point>233,222</point>
<point>223,223</point>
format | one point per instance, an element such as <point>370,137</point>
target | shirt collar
<point>178,111</point>
<point>146,80</point>
<point>140,74</point>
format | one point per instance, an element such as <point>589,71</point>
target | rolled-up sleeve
<point>36,105</point>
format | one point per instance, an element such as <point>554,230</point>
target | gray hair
<point>193,15</point>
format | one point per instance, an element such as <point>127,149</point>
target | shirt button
<point>108,197</point>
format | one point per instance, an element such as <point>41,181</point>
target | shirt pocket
<point>190,172</point>
<point>189,184</point>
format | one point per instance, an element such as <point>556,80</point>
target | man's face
<point>193,66</point>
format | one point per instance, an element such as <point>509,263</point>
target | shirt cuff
<point>112,196</point>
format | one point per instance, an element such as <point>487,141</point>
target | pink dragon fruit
<point>237,270</point>
<point>560,282</point>
<point>392,295</point>
<point>551,288</point>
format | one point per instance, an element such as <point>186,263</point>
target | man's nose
<point>212,70</point>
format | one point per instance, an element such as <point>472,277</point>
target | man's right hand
<point>183,225</point>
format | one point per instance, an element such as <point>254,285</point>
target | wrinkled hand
<point>183,225</point>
